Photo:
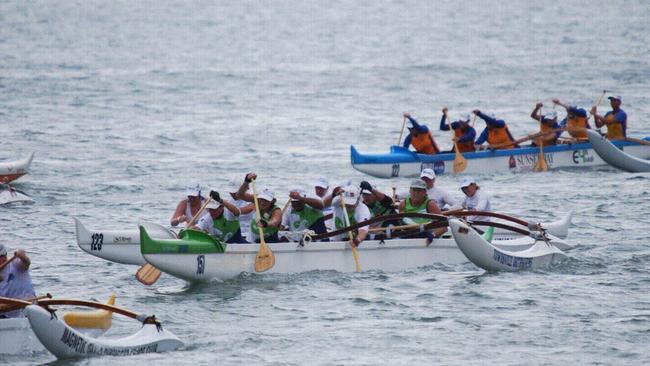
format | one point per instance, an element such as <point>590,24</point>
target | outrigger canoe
<point>123,246</point>
<point>618,157</point>
<point>494,257</point>
<point>198,257</point>
<point>19,339</point>
<point>401,162</point>
<point>65,342</point>
<point>12,170</point>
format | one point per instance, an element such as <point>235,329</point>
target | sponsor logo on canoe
<point>80,345</point>
<point>511,261</point>
<point>582,157</point>
<point>437,166</point>
<point>122,239</point>
<point>395,171</point>
<point>526,161</point>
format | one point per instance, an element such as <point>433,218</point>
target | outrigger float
<point>198,257</point>
<point>618,157</point>
<point>402,162</point>
<point>19,339</point>
<point>123,246</point>
<point>12,170</point>
<point>64,341</point>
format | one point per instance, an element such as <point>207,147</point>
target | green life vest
<point>268,231</point>
<point>306,218</point>
<point>421,208</point>
<point>340,224</point>
<point>225,229</point>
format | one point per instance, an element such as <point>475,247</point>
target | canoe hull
<point>615,156</point>
<point>497,258</point>
<point>12,170</point>
<point>65,342</point>
<point>403,163</point>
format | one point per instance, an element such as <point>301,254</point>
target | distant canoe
<point>401,162</point>
<point>12,170</point>
<point>616,156</point>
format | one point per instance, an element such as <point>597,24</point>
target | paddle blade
<point>265,259</point>
<point>460,164</point>
<point>541,165</point>
<point>148,274</point>
<point>355,254</point>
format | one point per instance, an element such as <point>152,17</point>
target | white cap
<point>466,182</point>
<point>193,190</point>
<point>428,173</point>
<point>418,184</point>
<point>550,115</point>
<point>3,250</point>
<point>300,190</point>
<point>617,97</point>
<point>350,195</point>
<point>214,204</point>
<point>321,182</point>
<point>266,194</point>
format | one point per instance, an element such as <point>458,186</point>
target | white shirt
<point>441,197</point>
<point>244,219</point>
<point>205,223</point>
<point>361,213</point>
<point>478,202</point>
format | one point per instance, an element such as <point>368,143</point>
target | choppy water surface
<point>126,102</point>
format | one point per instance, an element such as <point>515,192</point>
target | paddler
<point>355,211</point>
<point>271,213</point>
<point>575,122</point>
<point>475,198</point>
<point>221,220</point>
<point>418,202</point>
<point>615,120</point>
<point>442,198</point>
<point>15,281</point>
<point>246,210</point>
<point>305,213</point>
<point>496,132</point>
<point>188,207</point>
<point>420,137</point>
<point>378,203</point>
<point>321,188</point>
<point>464,134</point>
<point>547,126</point>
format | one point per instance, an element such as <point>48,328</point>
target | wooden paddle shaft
<point>7,262</point>
<point>198,214</point>
<point>399,141</point>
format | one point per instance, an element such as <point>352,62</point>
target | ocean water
<point>125,103</point>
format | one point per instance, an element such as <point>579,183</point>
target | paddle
<point>264,260</point>
<point>6,264</point>
<point>527,138</point>
<point>638,141</point>
<point>354,248</point>
<point>13,306</point>
<point>600,99</point>
<point>148,274</point>
<point>541,165</point>
<point>401,132</point>
<point>460,163</point>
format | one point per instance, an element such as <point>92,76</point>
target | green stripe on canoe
<point>191,242</point>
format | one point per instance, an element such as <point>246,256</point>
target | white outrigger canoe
<point>618,157</point>
<point>401,162</point>
<point>65,342</point>
<point>19,339</point>
<point>199,257</point>
<point>12,170</point>
<point>496,257</point>
<point>123,246</point>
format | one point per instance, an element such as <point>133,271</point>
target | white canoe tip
<point>83,234</point>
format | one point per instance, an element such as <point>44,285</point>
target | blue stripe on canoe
<point>399,154</point>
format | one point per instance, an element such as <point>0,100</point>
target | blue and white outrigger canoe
<point>401,162</point>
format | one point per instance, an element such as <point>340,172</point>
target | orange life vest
<point>614,128</point>
<point>498,136</point>
<point>575,125</point>
<point>424,143</point>
<point>550,138</point>
<point>465,146</point>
